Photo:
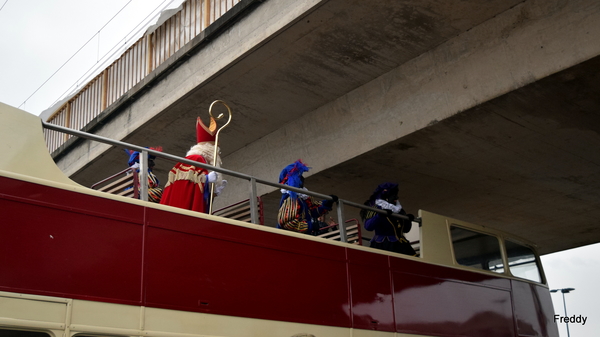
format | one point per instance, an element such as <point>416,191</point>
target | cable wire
<point>70,58</point>
<point>3,5</point>
<point>107,57</point>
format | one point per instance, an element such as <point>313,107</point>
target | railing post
<point>253,202</point>
<point>149,53</point>
<point>144,175</point>
<point>342,225</point>
<point>67,121</point>
<point>206,14</point>
<point>104,90</point>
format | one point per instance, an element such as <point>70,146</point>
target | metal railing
<point>252,180</point>
<point>144,56</point>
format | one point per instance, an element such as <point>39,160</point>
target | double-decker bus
<point>80,262</point>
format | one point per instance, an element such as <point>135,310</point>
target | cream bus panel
<point>100,314</point>
<point>24,310</point>
<point>22,133</point>
<point>435,239</point>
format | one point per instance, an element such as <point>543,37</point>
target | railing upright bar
<point>342,224</point>
<point>143,176</point>
<point>206,14</point>
<point>253,202</point>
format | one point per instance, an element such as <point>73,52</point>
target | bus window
<point>476,250</point>
<point>522,262</point>
<point>21,333</point>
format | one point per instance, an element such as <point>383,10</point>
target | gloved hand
<point>211,177</point>
<point>410,217</point>
<point>334,198</point>
<point>386,205</point>
<point>220,188</point>
<point>389,212</point>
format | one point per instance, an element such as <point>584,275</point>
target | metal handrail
<point>253,180</point>
<point>111,177</point>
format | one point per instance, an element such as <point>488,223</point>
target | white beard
<point>207,150</point>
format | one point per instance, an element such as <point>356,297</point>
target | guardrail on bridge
<point>138,61</point>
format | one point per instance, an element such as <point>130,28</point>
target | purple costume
<point>389,231</point>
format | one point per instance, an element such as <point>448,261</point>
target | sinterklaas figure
<point>188,186</point>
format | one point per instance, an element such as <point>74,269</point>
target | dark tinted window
<point>476,250</point>
<point>20,333</point>
<point>522,262</point>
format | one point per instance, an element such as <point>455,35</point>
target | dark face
<point>301,181</point>
<point>390,196</point>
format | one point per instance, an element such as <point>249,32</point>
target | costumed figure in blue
<point>299,212</point>
<point>389,231</point>
<point>154,189</point>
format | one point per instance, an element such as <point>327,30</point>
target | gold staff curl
<point>220,116</point>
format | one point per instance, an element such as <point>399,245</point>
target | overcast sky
<point>38,37</point>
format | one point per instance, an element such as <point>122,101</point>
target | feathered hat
<point>134,156</point>
<point>204,133</point>
<point>292,175</point>
<point>384,191</point>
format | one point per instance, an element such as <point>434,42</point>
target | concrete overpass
<point>486,111</point>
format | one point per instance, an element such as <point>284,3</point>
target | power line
<point>36,90</point>
<point>3,5</point>
<point>114,50</point>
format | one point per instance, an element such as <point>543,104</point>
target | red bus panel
<point>62,243</point>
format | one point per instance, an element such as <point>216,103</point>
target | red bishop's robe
<point>186,187</point>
